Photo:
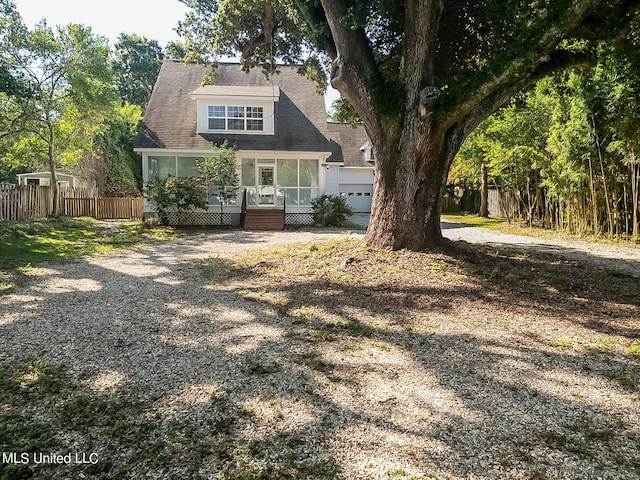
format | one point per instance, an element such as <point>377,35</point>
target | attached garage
<point>356,186</point>
<point>358,196</point>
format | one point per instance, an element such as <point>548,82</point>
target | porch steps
<point>260,219</point>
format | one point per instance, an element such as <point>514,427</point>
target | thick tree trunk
<point>406,215</point>
<point>408,189</point>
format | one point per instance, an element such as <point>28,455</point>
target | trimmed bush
<point>178,194</point>
<point>330,210</point>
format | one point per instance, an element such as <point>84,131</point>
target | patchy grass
<point>26,244</point>
<point>476,221</point>
<point>365,287</point>
<point>47,409</point>
<point>535,309</point>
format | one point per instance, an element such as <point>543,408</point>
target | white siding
<point>332,180</point>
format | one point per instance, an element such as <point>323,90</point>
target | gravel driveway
<point>621,258</point>
<point>143,324</point>
<point>77,313</point>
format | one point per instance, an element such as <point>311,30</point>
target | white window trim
<point>268,110</point>
<point>228,118</point>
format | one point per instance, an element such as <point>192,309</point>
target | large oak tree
<point>421,74</point>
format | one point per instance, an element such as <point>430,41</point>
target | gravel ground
<point>622,258</point>
<point>142,323</point>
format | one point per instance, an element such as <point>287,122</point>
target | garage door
<point>358,196</point>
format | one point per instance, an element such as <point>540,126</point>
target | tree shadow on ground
<point>165,374</point>
<point>572,251</point>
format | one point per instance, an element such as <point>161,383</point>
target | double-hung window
<point>254,118</point>
<point>235,118</point>
<point>217,117</point>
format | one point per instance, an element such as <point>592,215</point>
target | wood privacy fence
<point>33,201</point>
<point>450,204</point>
<point>502,204</point>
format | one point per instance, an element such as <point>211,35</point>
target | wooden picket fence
<point>23,203</point>
<point>33,202</point>
<point>104,208</point>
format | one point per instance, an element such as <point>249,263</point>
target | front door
<point>266,187</point>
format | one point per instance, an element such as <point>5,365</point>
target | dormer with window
<point>367,149</point>
<point>236,110</point>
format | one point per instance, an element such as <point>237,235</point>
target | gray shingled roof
<point>348,141</point>
<point>300,118</point>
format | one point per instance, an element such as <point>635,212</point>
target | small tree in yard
<point>69,82</point>
<point>330,210</point>
<point>219,174</point>
<point>180,194</point>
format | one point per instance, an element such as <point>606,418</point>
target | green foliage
<point>177,51</point>
<point>14,120</point>
<point>12,85</point>
<point>315,70</point>
<point>219,174</point>
<point>511,142</point>
<point>123,170</point>
<point>343,112</point>
<point>70,90</point>
<point>226,27</point>
<point>136,63</point>
<point>330,210</point>
<point>176,194</point>
<point>569,146</point>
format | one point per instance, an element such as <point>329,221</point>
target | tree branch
<point>560,60</point>
<point>524,71</point>
<point>269,28</point>
<point>354,70</point>
<point>317,22</point>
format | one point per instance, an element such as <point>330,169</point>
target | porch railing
<point>265,196</point>
<point>243,208</point>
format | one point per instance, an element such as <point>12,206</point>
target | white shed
<point>44,179</point>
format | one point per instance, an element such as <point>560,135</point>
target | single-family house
<point>287,151</point>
